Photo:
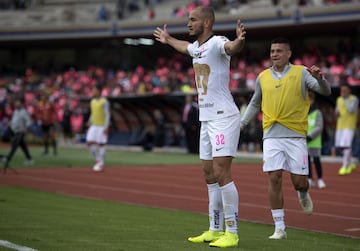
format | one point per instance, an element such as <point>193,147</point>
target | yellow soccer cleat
<point>351,168</point>
<point>343,171</point>
<point>206,236</point>
<point>228,240</point>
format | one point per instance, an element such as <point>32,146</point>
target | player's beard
<point>197,33</point>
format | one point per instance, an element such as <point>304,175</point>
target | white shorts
<point>96,134</point>
<point>219,138</point>
<point>289,154</point>
<point>344,138</point>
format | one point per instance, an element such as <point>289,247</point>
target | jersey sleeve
<point>221,40</point>
<point>190,50</point>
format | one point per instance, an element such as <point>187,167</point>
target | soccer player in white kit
<point>219,116</point>
<point>97,134</point>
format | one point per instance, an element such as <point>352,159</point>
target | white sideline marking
<point>352,229</point>
<point>11,245</point>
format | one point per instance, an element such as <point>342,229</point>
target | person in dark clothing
<point>154,136</point>
<point>18,126</point>
<point>66,124</point>
<point>314,142</point>
<point>159,133</point>
<point>191,124</point>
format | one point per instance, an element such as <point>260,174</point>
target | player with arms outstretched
<point>219,116</point>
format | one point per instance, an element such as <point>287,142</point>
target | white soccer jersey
<point>211,65</point>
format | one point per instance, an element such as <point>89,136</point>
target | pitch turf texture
<point>47,221</point>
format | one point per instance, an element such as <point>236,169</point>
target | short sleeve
<point>221,40</point>
<point>190,50</point>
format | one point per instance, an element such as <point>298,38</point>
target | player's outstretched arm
<point>163,36</point>
<point>235,46</point>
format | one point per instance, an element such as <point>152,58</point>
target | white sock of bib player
<point>230,198</point>
<point>216,213</point>
<point>101,158</point>
<point>346,157</point>
<point>93,150</point>
<point>279,218</point>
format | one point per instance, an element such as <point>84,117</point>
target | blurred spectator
<point>154,137</point>
<point>103,14</point>
<point>66,124</point>
<point>151,13</point>
<point>133,5</point>
<point>191,124</point>
<point>159,134</point>
<point>120,9</point>
<point>69,14</point>
<point>20,4</point>
<point>46,118</point>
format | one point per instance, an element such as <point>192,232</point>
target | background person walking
<point>346,111</point>
<point>18,125</point>
<point>99,122</point>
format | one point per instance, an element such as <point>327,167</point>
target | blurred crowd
<point>125,7</point>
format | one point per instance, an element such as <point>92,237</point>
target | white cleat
<point>29,162</point>
<point>321,184</point>
<point>98,167</point>
<point>311,183</point>
<point>307,204</point>
<point>279,234</point>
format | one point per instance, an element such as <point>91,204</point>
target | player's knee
<point>275,179</point>
<point>302,185</point>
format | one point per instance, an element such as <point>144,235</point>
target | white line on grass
<point>356,229</point>
<point>11,245</point>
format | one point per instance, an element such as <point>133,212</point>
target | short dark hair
<point>19,97</point>
<point>345,85</point>
<point>281,40</point>
<point>98,87</point>
<point>207,12</point>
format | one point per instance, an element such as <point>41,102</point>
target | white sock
<point>279,218</point>
<point>346,157</point>
<point>93,150</point>
<point>230,198</point>
<point>216,213</point>
<point>102,150</point>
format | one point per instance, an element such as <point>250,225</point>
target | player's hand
<point>240,30</point>
<point>316,72</point>
<point>161,35</point>
<point>242,127</point>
